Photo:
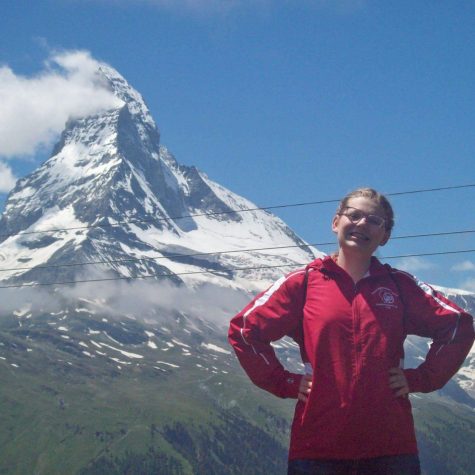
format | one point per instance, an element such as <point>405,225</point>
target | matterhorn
<point>111,194</point>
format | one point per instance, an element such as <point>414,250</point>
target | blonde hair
<point>371,194</point>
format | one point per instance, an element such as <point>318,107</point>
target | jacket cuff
<point>290,385</point>
<point>414,380</point>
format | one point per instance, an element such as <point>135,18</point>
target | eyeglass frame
<point>369,218</point>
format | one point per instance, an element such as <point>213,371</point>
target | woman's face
<point>361,236</point>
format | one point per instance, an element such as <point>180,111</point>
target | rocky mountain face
<point>135,376</point>
<point>114,194</point>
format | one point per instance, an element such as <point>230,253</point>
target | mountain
<point>117,376</point>
<point>465,378</point>
<point>115,194</point>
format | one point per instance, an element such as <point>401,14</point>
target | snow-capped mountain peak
<point>128,197</point>
<point>130,96</point>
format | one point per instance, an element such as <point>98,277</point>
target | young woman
<point>350,316</point>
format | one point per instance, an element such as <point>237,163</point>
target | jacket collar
<point>328,265</point>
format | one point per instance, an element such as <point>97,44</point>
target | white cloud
<point>138,298</point>
<point>7,179</point>
<point>414,264</point>
<point>469,285</point>
<point>208,302</point>
<point>464,266</point>
<point>35,109</point>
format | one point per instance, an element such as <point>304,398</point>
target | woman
<point>350,315</point>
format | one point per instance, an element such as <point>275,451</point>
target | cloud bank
<point>140,299</point>
<point>414,264</point>
<point>465,266</point>
<point>469,285</point>
<point>34,109</point>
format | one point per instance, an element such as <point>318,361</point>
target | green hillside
<point>67,413</point>
<point>58,422</point>
<point>72,403</point>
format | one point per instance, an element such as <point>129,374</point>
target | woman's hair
<point>371,194</point>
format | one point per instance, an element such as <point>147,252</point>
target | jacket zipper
<point>357,332</point>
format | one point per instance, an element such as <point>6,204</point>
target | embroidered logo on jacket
<point>386,296</point>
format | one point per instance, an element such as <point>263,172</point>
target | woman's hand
<point>305,387</point>
<point>398,382</point>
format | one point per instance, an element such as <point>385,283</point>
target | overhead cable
<point>220,213</point>
<point>219,273</point>
<point>216,253</point>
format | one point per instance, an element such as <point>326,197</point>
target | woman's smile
<point>359,236</point>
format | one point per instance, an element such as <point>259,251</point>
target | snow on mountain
<point>465,377</point>
<point>110,192</point>
<point>416,348</point>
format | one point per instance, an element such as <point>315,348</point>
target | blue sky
<point>286,101</point>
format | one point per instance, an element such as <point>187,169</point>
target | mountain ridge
<point>110,169</point>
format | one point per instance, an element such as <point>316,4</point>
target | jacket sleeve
<point>270,316</point>
<point>430,314</point>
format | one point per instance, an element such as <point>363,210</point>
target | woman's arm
<point>270,316</point>
<point>429,314</point>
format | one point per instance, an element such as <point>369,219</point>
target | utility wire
<point>216,253</point>
<point>220,213</point>
<point>220,273</point>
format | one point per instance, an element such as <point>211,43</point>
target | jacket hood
<point>328,265</point>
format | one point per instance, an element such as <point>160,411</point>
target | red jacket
<point>353,335</point>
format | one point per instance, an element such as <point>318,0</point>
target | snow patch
<point>168,364</point>
<point>218,349</point>
<point>124,353</point>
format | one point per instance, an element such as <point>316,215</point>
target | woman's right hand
<point>305,387</point>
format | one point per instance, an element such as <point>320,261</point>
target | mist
<point>147,301</point>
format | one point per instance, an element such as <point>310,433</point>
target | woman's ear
<point>387,235</point>
<point>335,221</point>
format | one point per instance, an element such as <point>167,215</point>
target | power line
<point>223,272</point>
<point>220,213</point>
<point>430,254</point>
<point>441,188</point>
<point>233,251</point>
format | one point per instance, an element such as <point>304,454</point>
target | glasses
<point>356,215</point>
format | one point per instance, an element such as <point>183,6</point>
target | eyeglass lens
<point>356,215</point>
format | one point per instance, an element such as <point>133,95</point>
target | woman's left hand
<point>305,387</point>
<point>398,382</point>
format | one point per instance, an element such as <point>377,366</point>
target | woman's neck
<point>355,266</point>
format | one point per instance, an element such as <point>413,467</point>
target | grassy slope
<point>446,437</point>
<point>65,413</point>
<point>57,417</point>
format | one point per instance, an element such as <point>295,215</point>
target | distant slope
<point>86,393</point>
